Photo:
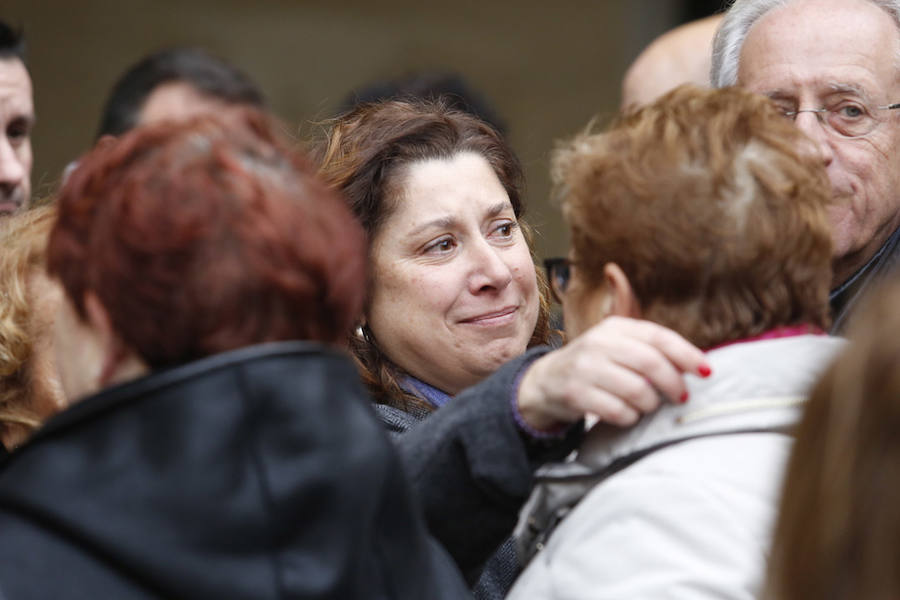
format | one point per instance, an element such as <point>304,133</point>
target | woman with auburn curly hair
<point>29,386</point>
<point>838,530</point>
<point>704,212</point>
<point>454,295</point>
<point>219,444</point>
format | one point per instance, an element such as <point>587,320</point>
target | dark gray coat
<point>471,467</point>
<point>845,297</point>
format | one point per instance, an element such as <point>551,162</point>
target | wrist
<point>528,408</point>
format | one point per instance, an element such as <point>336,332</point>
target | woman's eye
<point>506,229</point>
<point>441,246</point>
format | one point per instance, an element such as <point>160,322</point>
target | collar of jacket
<point>184,375</point>
<point>258,473</point>
<point>845,296</point>
<point>755,385</point>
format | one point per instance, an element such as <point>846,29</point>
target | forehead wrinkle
<point>843,87</point>
<point>450,222</point>
<point>833,87</point>
<point>447,222</point>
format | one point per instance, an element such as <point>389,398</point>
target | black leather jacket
<point>258,473</point>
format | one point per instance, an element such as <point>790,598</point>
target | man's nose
<point>12,171</point>
<point>812,124</point>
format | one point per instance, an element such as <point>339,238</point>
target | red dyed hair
<point>206,236</point>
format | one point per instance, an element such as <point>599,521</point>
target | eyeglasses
<point>849,119</point>
<point>558,272</point>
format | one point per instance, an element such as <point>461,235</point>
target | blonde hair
<point>706,203</point>
<point>23,245</point>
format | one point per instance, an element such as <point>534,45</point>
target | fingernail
<point>684,398</point>
<point>704,370</point>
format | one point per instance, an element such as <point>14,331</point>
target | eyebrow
<point>499,208</point>
<point>450,222</point>
<point>840,87</point>
<point>778,93</point>
<point>27,120</point>
<point>834,87</point>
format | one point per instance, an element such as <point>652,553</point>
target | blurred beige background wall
<point>547,67</point>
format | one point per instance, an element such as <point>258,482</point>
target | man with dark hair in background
<point>16,121</point>
<point>447,86</point>
<point>177,83</point>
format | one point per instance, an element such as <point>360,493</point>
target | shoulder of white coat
<point>650,536</point>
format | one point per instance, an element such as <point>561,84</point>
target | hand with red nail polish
<point>617,370</point>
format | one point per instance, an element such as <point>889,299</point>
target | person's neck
<point>844,267</point>
<point>775,333</point>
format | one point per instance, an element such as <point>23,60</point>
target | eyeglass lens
<point>848,119</point>
<point>558,271</point>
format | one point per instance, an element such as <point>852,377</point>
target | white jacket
<point>692,519</point>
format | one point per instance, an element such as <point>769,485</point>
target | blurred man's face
<point>16,121</point>
<point>178,101</point>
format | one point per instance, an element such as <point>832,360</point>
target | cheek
<point>873,183</point>
<point>583,308</point>
<point>573,310</point>
<point>866,166</point>
<point>66,352</point>
<point>524,273</point>
<point>49,397</point>
<point>25,156</point>
<point>570,320</point>
<point>408,296</point>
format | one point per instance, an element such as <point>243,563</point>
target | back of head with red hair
<point>206,236</point>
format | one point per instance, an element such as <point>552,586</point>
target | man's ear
<point>623,302</point>
<point>113,351</point>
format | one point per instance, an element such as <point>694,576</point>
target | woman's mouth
<point>496,317</point>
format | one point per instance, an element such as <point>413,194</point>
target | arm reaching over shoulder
<point>615,371</point>
<point>471,463</point>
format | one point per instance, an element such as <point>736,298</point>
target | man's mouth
<point>9,207</point>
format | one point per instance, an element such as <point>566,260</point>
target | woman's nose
<point>488,271</point>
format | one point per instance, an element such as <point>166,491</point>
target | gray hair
<point>741,16</point>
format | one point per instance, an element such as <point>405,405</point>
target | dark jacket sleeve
<point>471,466</point>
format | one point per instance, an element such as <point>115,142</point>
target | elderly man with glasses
<point>832,67</point>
